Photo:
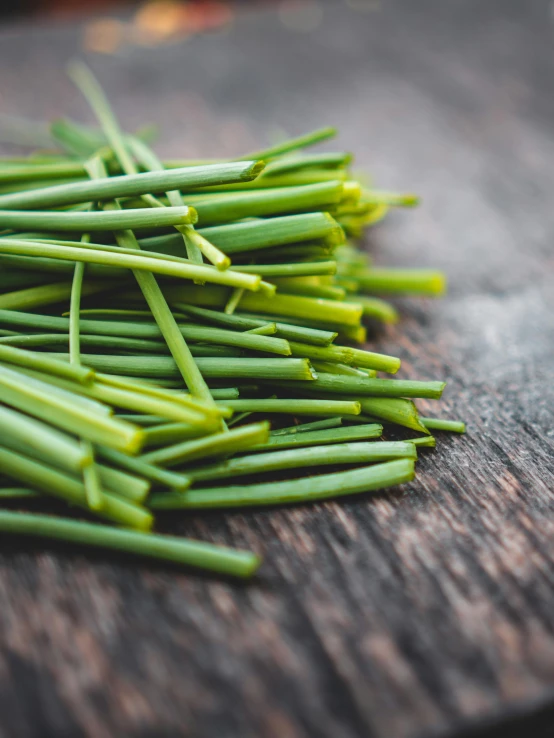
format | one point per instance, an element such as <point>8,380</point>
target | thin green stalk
<point>37,399</point>
<point>18,493</point>
<point>167,433</point>
<point>47,294</point>
<point>424,441</point>
<point>96,221</point>
<point>21,173</point>
<point>402,281</point>
<point>148,471</point>
<point>117,343</point>
<point>45,364</point>
<point>394,410</point>
<point>322,437</point>
<point>326,367</point>
<point>134,397</point>
<point>349,356</point>
<point>324,486</point>
<point>299,458</point>
<point>253,235</point>
<point>211,368</point>
<point>233,301</point>
<point>440,424</point>
<point>217,209</point>
<point>239,439</point>
<point>94,494</point>
<point>171,268</point>
<point>243,322</point>
<point>285,306</point>
<point>53,482</point>
<point>115,481</point>
<point>91,480</point>
<point>129,185</point>
<point>336,384</point>
<point>60,447</point>
<point>304,427</point>
<point>270,329</point>
<point>236,419</point>
<point>378,309</point>
<point>310,269</point>
<point>326,160</point>
<point>294,406</point>
<point>293,144</point>
<point>169,548</point>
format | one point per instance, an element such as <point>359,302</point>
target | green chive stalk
<point>299,458</point>
<point>324,486</point>
<point>169,548</point>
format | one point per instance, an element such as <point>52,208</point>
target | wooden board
<point>424,612</point>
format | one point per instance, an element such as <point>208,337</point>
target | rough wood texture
<point>423,612</point>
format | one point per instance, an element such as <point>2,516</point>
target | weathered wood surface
<point>422,612</point>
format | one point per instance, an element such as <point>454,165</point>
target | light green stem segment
<point>96,221</point>
<point>312,336</point>
<point>214,368</point>
<point>61,448</point>
<point>116,481</point>
<point>234,441</point>
<point>130,185</point>
<point>171,268</point>
<point>216,209</point>
<point>91,477</point>
<point>251,235</point>
<point>47,294</point>
<point>53,482</point>
<point>304,427</point>
<point>149,330</point>
<point>286,306</point>
<point>322,437</point>
<point>67,412</point>
<point>454,426</point>
<point>293,144</point>
<point>169,548</point>
<point>148,471</point>
<point>336,384</point>
<point>166,433</point>
<point>339,453</point>
<point>94,494</point>
<point>347,355</point>
<point>378,309</point>
<point>424,441</point>
<point>310,489</point>
<point>394,410</point>
<point>45,364</point>
<point>402,281</point>
<point>294,406</point>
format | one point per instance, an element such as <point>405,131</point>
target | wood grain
<point>423,612</point>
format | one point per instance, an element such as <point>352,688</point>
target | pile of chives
<point>170,327</point>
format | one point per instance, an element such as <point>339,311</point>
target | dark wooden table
<point>428,611</point>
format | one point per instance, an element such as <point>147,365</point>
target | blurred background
<point>115,24</point>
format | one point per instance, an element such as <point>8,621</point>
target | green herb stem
<point>53,482</point>
<point>235,440</point>
<point>298,458</point>
<point>169,548</point>
<point>294,406</point>
<point>310,489</point>
<point>440,424</point>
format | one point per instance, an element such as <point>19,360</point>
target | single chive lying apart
<point>157,318</point>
